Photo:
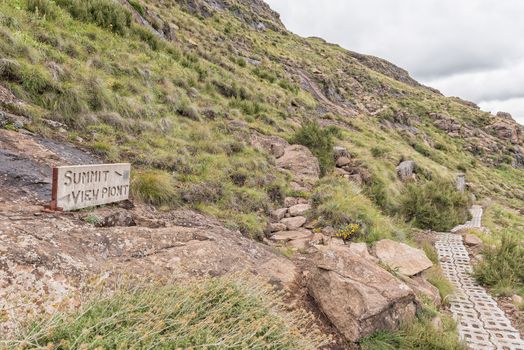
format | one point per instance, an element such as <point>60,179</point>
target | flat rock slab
<point>480,321</point>
<point>294,223</point>
<point>299,209</point>
<point>408,260</point>
<point>285,236</point>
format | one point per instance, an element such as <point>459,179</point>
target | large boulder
<point>408,260</point>
<point>294,223</point>
<point>357,295</point>
<point>406,170</point>
<point>303,166</point>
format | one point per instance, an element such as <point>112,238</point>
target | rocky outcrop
<point>43,256</point>
<point>407,260</point>
<point>302,165</point>
<point>387,68</point>
<point>447,124</point>
<point>273,145</point>
<point>255,13</point>
<point>294,223</point>
<point>357,295</point>
<point>506,129</point>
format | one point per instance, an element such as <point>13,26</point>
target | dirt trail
<point>481,323</point>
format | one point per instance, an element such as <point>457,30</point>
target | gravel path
<point>481,323</point>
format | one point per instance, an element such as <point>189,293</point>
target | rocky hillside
<point>252,148</point>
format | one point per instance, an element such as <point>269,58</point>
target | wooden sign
<point>82,186</point>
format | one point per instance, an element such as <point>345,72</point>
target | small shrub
<point>348,232</point>
<point>430,252</point>
<point>376,191</point>
<point>436,277</point>
<point>147,36</point>
<point>420,334</point>
<point>153,187</point>
<point>378,152</point>
<point>319,141</point>
<point>462,167</point>
<point>105,13</point>
<point>265,74</point>
<point>434,205</point>
<point>93,219</point>
<point>502,267</point>
<point>44,8</point>
<point>247,106</point>
<point>189,111</point>
<point>205,192</point>
<point>340,204</point>
<point>10,70</point>
<point>286,85</point>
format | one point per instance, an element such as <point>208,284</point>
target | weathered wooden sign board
<point>82,186</point>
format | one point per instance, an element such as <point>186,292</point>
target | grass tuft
<point>339,203</point>
<point>319,141</point>
<point>219,313</point>
<point>154,187</point>
<point>420,334</point>
<point>435,205</point>
<point>502,267</point>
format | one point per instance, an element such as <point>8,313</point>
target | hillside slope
<point>223,111</point>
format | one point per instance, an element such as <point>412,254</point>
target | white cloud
<point>504,82</point>
<point>469,48</point>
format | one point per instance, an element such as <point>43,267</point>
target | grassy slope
<point>170,105</point>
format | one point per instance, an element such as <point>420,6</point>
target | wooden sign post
<point>82,186</point>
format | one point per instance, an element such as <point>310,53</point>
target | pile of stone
<point>348,167</point>
<point>287,226</point>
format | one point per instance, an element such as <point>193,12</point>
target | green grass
<point>153,187</point>
<point>436,277</point>
<point>502,266</point>
<point>339,203</point>
<point>219,313</point>
<point>419,335</point>
<point>319,141</point>
<point>435,205</point>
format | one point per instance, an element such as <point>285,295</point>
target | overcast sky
<point>473,49</point>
